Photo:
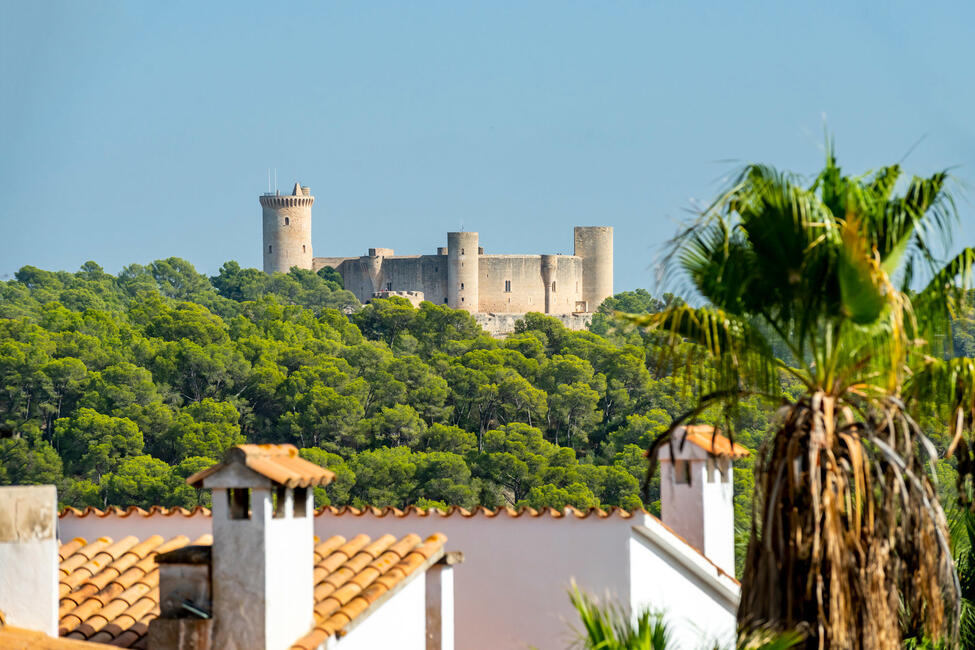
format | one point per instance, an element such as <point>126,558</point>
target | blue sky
<point>135,131</point>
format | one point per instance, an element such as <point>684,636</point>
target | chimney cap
<point>279,463</point>
<point>709,439</point>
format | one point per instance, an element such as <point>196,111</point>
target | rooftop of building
<point>710,440</point>
<point>109,590</point>
<point>280,464</point>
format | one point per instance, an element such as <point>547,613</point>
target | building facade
<point>511,591</point>
<point>459,275</point>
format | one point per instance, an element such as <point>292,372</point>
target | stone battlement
<point>277,201</point>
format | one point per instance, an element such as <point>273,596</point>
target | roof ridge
<point>383,511</point>
<point>579,513</point>
<point>119,511</point>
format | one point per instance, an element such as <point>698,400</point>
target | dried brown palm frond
<point>846,522</point>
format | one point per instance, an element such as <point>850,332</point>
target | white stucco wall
<point>699,605</point>
<point>117,524</point>
<point>399,622</point>
<point>719,517</point>
<point>701,511</point>
<point>29,557</point>
<point>440,607</point>
<point>290,582</point>
<point>512,589</point>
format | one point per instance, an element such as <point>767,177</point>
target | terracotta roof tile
<point>115,511</point>
<point>15,638</point>
<point>109,587</point>
<point>359,586</point>
<point>279,463</point>
<point>68,549</point>
<point>110,590</point>
<point>409,511</point>
<point>710,440</point>
<point>481,511</point>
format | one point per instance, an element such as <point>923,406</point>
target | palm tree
<point>609,627</point>
<point>961,524</point>
<point>848,542</point>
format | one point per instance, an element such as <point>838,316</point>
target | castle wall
<point>320,263</point>
<point>528,286</point>
<point>500,325</point>
<point>523,271</point>
<point>426,273</point>
<point>462,277</point>
<point>569,294</point>
<point>366,275</point>
<point>459,275</point>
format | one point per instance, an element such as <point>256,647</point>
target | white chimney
<point>29,557</point>
<point>697,491</point>
<point>263,546</point>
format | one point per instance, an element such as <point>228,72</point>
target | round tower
<point>287,230</point>
<point>594,244</point>
<point>462,271</point>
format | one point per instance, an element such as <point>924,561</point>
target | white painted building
<point>257,580</point>
<point>512,589</point>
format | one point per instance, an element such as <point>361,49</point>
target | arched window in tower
<point>461,286</point>
<point>553,285</point>
<point>302,248</point>
<point>269,249</point>
<point>287,221</point>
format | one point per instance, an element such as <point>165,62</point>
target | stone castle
<point>459,275</point>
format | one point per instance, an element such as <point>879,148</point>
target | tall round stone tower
<point>462,271</point>
<point>287,230</point>
<point>594,244</point>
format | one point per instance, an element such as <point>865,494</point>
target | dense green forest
<point>118,388</point>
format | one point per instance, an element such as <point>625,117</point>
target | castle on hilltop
<point>459,275</point>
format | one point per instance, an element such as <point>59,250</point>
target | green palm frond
<point>736,355</point>
<point>948,386</point>
<point>768,640</point>
<point>608,627</point>
<point>942,298</point>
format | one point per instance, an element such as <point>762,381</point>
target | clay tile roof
<point>481,511</point>
<point>15,638</point>
<point>710,440</point>
<point>279,463</point>
<point>351,576</point>
<point>110,589</point>
<point>115,511</point>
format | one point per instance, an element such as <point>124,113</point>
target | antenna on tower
<point>268,180</point>
<point>275,180</point>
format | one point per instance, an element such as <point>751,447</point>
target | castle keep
<point>459,275</point>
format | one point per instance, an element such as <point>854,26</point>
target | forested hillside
<point>117,388</point>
